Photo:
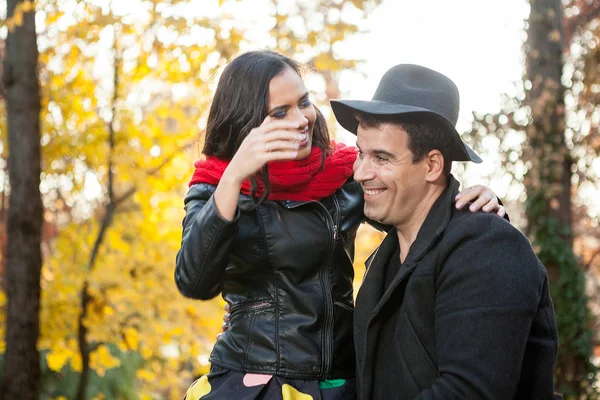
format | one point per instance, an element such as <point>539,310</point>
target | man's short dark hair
<point>425,133</point>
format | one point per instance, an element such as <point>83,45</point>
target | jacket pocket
<point>251,306</point>
<point>418,361</point>
<point>251,336</point>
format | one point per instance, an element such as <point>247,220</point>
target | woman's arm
<point>211,220</point>
<point>205,246</point>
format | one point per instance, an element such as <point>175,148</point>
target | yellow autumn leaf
<point>132,338</point>
<point>101,360</point>
<point>145,375</point>
<point>27,6</point>
<point>57,358</point>
<point>146,353</point>
<point>76,362</point>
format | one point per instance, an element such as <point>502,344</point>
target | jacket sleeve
<point>205,246</point>
<point>488,293</point>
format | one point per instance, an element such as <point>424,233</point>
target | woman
<point>271,217</point>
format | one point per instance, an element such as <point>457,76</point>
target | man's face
<point>394,185</point>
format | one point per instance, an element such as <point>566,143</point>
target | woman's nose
<point>300,118</point>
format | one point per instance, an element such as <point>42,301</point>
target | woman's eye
<point>305,103</point>
<point>279,114</point>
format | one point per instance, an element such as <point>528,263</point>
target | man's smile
<point>374,191</point>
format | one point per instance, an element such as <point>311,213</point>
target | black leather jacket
<point>286,270</point>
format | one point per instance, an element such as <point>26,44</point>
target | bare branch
<point>84,348</point>
<point>153,171</point>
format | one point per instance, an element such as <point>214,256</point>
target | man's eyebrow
<point>379,152</point>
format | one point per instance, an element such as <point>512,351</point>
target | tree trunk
<point>547,148</point>
<point>548,184</point>
<point>21,377</point>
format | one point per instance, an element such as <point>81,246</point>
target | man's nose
<point>362,171</point>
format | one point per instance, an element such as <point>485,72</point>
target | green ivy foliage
<point>573,315</point>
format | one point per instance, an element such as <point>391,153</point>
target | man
<point>454,304</point>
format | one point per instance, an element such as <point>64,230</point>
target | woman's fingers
<point>273,140</point>
<point>501,211</point>
<point>480,196</point>
<point>468,195</point>
<point>482,202</point>
<point>283,135</point>
<point>270,125</point>
<point>225,324</point>
<point>281,145</point>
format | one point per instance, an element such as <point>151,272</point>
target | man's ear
<point>435,165</point>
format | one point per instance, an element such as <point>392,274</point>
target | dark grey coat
<point>470,310</point>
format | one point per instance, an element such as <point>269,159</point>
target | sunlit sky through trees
<point>477,43</point>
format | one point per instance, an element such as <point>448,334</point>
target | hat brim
<point>345,110</point>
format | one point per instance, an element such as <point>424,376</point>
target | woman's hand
<point>273,140</point>
<point>225,324</point>
<point>482,198</point>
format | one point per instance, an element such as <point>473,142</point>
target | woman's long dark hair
<point>241,103</point>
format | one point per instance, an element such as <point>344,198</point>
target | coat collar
<point>372,298</point>
<point>434,225</point>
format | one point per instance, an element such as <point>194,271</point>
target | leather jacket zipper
<point>327,345</point>
<point>333,224</point>
<point>336,223</point>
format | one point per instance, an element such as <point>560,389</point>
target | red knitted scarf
<point>291,180</point>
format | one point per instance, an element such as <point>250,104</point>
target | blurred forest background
<point>99,129</point>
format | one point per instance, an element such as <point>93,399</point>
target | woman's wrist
<point>231,179</point>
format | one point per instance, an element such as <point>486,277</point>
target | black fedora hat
<point>410,89</point>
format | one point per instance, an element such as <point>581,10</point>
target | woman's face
<point>288,100</point>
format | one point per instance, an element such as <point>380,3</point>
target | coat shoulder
<point>494,241</point>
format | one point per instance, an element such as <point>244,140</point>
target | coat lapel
<point>372,298</point>
<point>368,297</point>
<point>433,227</point>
